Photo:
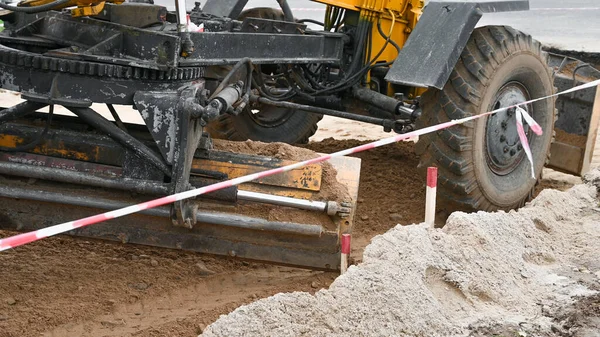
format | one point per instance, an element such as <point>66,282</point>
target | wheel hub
<point>504,149</point>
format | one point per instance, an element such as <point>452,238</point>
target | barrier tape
<point>22,239</point>
<point>535,127</point>
<point>322,9</point>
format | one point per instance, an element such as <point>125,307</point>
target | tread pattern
<point>450,149</point>
<point>291,132</point>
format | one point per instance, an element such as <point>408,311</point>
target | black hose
<point>287,11</point>
<point>35,9</point>
<point>387,38</point>
<point>311,21</point>
<point>356,75</point>
<point>258,82</point>
<point>245,61</point>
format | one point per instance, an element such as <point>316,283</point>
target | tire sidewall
<point>502,191</point>
<point>295,129</point>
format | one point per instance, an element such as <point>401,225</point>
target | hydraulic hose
<point>35,9</point>
<point>245,61</point>
<point>287,11</point>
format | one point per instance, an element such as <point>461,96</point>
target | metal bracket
<point>177,132</point>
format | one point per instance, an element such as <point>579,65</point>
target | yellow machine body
<point>397,20</point>
<point>84,7</point>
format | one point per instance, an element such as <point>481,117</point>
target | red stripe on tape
<point>158,202</point>
<point>432,174</point>
<point>90,220</point>
<point>18,240</point>
<point>346,238</point>
<point>537,129</point>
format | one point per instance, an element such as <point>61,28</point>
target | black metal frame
<point>55,59</point>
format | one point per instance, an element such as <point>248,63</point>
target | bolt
<point>505,149</point>
<point>502,138</point>
<point>503,124</point>
<point>520,147</point>
<point>513,152</point>
<point>214,104</point>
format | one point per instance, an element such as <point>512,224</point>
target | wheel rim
<point>504,151</point>
<point>269,116</point>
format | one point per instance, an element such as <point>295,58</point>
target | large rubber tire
<point>292,127</point>
<point>470,157</point>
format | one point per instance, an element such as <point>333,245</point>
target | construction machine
<point>215,70</point>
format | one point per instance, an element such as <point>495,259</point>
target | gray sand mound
<point>534,272</point>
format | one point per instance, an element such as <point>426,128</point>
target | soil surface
<point>63,286</point>
<point>75,287</point>
<point>531,272</point>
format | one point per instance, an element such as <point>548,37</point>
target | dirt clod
<point>112,324</point>
<point>396,217</point>
<point>202,270</point>
<point>10,301</point>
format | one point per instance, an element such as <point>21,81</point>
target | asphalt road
<point>566,24</point>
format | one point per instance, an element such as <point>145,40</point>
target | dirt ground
<point>74,287</point>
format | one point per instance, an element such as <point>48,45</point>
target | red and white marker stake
<point>346,238</point>
<point>430,194</point>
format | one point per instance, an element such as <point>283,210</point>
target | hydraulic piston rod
<point>330,207</point>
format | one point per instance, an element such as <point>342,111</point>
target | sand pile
<point>535,272</point>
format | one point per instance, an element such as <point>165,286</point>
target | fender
<point>434,46</point>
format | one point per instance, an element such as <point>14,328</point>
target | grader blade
<point>295,218</point>
<point>578,115</point>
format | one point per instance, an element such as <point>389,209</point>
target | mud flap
<point>578,116</point>
<point>433,48</point>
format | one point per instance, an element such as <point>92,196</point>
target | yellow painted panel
<point>306,178</point>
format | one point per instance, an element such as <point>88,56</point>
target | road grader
<point>218,70</point>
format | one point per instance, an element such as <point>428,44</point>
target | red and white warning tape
<point>562,9</point>
<point>535,127</point>
<point>21,239</point>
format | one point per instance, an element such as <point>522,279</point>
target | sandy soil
<point>72,287</point>
<point>532,272</point>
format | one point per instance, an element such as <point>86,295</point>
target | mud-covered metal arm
<point>433,48</point>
